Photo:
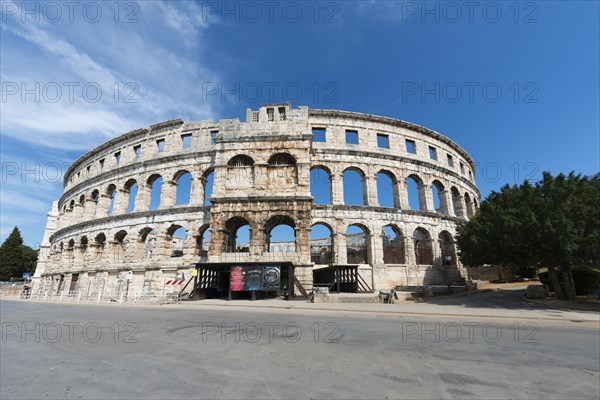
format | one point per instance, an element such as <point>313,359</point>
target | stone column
<point>403,195</point>
<point>444,204</point>
<point>427,196</point>
<point>337,189</point>
<point>197,191</point>
<point>103,206</point>
<point>303,244</point>
<point>121,202</point>
<point>89,209</point>
<point>409,248</point>
<point>78,213</point>
<point>340,242</point>
<point>169,192</point>
<point>142,202</point>
<point>370,188</point>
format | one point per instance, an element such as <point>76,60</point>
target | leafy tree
<point>15,257</point>
<point>555,223</point>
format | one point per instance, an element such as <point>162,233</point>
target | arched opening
<point>82,200</point>
<point>356,244</point>
<point>321,244</point>
<point>240,172</point>
<point>282,159</point>
<point>423,248</point>
<point>456,202</point>
<point>448,249</point>
<point>468,205</point>
<point>131,187</point>
<point>386,189</point>
<point>237,236</point>
<point>241,160</point>
<point>119,248</point>
<point>320,185</point>
<point>83,246</point>
<point>282,170</point>
<point>177,234</point>
<point>70,250</point>
<point>155,183</point>
<point>416,195</point>
<point>111,193</point>
<point>99,243</point>
<point>148,241</point>
<point>207,184</point>
<point>393,245</point>
<point>354,187</point>
<point>184,187</point>
<point>95,199</point>
<point>280,234</point>
<point>439,201</point>
<point>203,242</point>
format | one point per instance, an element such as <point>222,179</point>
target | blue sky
<point>516,86</point>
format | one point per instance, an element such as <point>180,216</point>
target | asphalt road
<point>90,351</point>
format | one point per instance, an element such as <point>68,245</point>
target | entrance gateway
<point>245,280</point>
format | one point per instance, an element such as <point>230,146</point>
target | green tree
<point>15,257</point>
<point>555,223</point>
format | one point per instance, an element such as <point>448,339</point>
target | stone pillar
<point>370,188</point>
<point>303,243</point>
<point>378,247</point>
<point>142,202</point>
<point>169,192</point>
<point>78,213</point>
<point>444,203</point>
<point>337,189</point>
<point>89,209</point>
<point>197,191</point>
<point>121,202</point>
<point>103,206</point>
<point>403,195</point>
<point>409,246</point>
<point>426,198</point>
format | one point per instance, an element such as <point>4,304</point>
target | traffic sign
<point>26,275</point>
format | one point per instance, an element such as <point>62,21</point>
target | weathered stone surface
<point>97,234</point>
<point>536,292</point>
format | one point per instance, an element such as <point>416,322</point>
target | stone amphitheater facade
<point>261,172</point>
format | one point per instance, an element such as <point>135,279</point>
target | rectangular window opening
<point>282,116</point>
<point>351,136</point>
<point>270,114</point>
<point>117,158</point>
<point>383,141</point>
<point>411,146</point>
<point>102,165</point>
<point>462,168</point>
<point>432,153</point>
<point>450,161</point>
<point>186,141</point>
<point>138,151</point>
<point>213,137</point>
<point>160,145</point>
<point>318,134</point>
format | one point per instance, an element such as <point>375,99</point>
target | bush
<point>586,279</point>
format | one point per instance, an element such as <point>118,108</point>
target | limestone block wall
<point>122,201</point>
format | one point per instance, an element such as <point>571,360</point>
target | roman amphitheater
<point>183,202</point>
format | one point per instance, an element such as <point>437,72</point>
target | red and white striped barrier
<point>174,282</point>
